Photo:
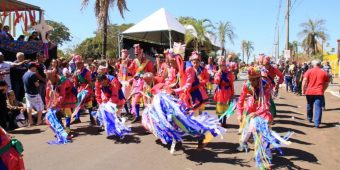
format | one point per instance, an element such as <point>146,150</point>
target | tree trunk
<point>104,39</point>
<point>243,55</point>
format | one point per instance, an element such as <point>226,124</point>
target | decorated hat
<point>195,56</point>
<point>254,72</point>
<point>136,45</point>
<point>78,59</point>
<point>263,59</point>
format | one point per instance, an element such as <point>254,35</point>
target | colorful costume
<point>141,67</point>
<point>192,86</point>
<point>224,91</point>
<point>166,117</point>
<point>137,88</point>
<point>271,73</point>
<point>110,93</point>
<point>10,152</point>
<point>83,81</point>
<point>257,117</point>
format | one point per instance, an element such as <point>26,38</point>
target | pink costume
<point>253,105</point>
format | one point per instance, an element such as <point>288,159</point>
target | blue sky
<point>253,20</point>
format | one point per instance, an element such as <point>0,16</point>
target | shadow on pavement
<point>296,155</point>
<point>279,129</point>
<point>26,131</point>
<point>205,156</point>
<point>139,130</point>
<point>223,147</point>
<point>295,123</point>
<point>288,111</point>
<point>210,108</point>
<point>332,109</point>
<point>126,140</point>
<point>328,125</point>
<point>287,116</point>
<point>86,130</point>
<point>299,141</point>
<point>283,104</point>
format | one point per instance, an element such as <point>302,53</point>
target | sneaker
<point>310,120</point>
<point>75,121</point>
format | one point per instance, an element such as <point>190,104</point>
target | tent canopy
<point>158,28</point>
<point>19,5</point>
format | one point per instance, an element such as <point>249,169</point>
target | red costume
<point>140,66</point>
<point>253,105</point>
<point>110,93</point>
<point>225,86</point>
<point>10,157</point>
<point>82,80</point>
<point>192,85</point>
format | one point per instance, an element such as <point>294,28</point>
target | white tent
<point>158,28</point>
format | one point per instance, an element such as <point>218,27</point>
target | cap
<point>1,54</point>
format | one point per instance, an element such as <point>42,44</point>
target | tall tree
<point>247,48</point>
<point>198,36</point>
<point>102,14</point>
<point>60,32</point>
<point>313,32</point>
<point>225,32</point>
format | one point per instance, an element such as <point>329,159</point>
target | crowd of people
<point>130,84</point>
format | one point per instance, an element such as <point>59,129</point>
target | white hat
<point>1,53</point>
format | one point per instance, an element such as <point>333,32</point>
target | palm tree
<point>225,30</point>
<point>313,32</point>
<point>293,47</point>
<point>102,14</point>
<point>247,48</point>
<point>198,36</point>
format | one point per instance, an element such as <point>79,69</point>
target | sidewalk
<point>335,87</point>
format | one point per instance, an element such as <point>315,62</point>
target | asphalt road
<point>311,148</point>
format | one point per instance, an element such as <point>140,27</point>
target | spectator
<point>5,33</point>
<point>314,84</point>
<point>5,71</point>
<point>33,98</point>
<point>3,105</point>
<point>21,38</point>
<point>16,74</point>
<point>16,111</point>
<point>288,77</point>
<point>34,36</point>
<point>41,75</point>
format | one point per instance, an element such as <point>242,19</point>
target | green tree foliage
<point>91,47</point>
<point>101,9</point>
<point>60,33</point>
<point>313,33</point>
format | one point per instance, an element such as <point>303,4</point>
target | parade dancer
<point>61,95</point>
<point>256,118</point>
<point>193,91</point>
<point>137,87</point>
<point>211,68</point>
<point>124,76</point>
<point>110,100</point>
<point>140,64</point>
<point>10,152</point>
<point>224,80</point>
<point>108,89</point>
<point>272,73</point>
<point>82,80</point>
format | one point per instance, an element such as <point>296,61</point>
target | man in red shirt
<point>315,82</point>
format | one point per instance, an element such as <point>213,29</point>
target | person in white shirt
<point>5,67</point>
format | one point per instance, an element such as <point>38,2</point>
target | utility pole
<point>287,25</point>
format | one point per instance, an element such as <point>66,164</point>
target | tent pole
<point>170,39</point>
